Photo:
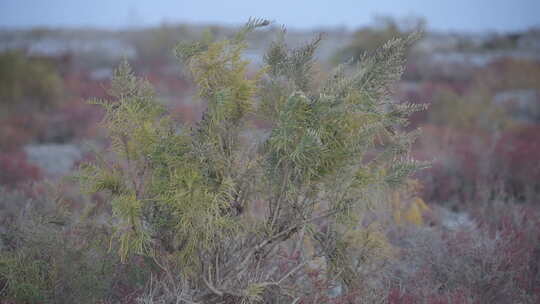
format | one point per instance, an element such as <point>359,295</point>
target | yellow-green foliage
<point>410,212</point>
<point>182,193</point>
<point>156,177</point>
<point>474,110</point>
<point>27,82</point>
<point>407,208</point>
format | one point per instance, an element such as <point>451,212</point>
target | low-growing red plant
<point>495,260</point>
<point>518,158</point>
<point>15,169</point>
<point>17,130</point>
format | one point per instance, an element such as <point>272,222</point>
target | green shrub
<point>27,82</point>
<point>188,197</point>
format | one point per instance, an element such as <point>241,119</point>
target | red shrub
<point>518,158</point>
<point>75,119</point>
<point>518,227</point>
<point>82,86</point>
<point>397,296</point>
<point>498,261</point>
<point>170,81</point>
<point>461,164</point>
<point>18,130</point>
<point>14,169</point>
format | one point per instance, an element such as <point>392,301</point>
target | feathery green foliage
<point>185,195</point>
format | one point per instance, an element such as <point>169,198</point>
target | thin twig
<point>212,287</point>
<point>291,272</point>
<point>290,229</point>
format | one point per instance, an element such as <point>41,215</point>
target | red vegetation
<point>15,169</point>
<point>518,158</point>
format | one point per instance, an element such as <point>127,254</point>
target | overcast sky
<point>444,15</point>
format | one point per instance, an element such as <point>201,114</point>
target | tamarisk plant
<point>187,195</point>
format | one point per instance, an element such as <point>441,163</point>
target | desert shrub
<point>474,110</point>
<point>501,42</point>
<point>478,166</point>
<point>517,225</point>
<point>509,73</point>
<point>27,83</point>
<point>46,256</point>
<point>491,258</point>
<point>463,165</point>
<point>481,105</point>
<point>154,45</point>
<point>81,84</point>
<point>463,266</point>
<point>185,195</point>
<point>482,136</point>
<point>517,154</point>
<point>370,39</point>
<point>31,90</point>
<point>15,169</point>
<point>18,130</point>
<point>72,121</point>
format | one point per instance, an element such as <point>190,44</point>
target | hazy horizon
<point>458,15</point>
